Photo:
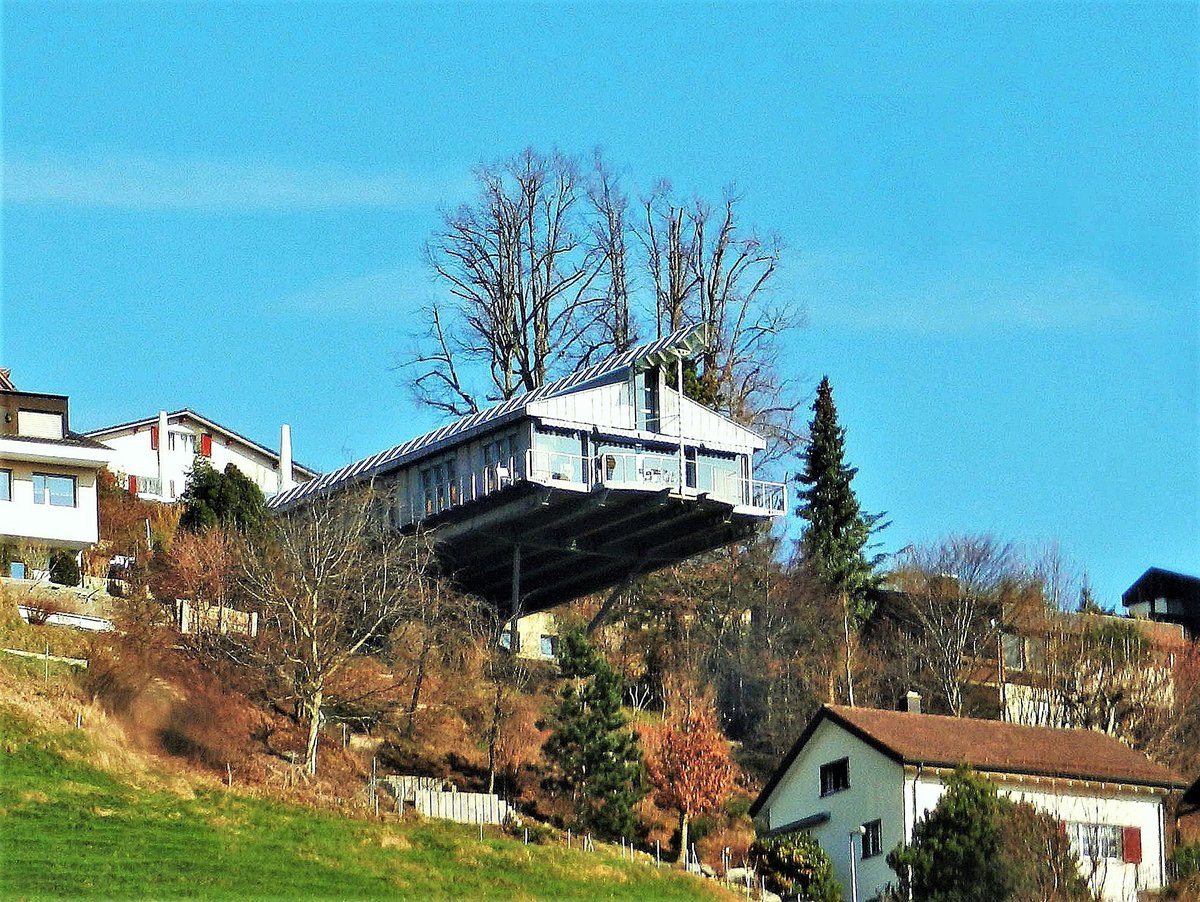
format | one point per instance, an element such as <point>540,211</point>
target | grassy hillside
<point>71,829</point>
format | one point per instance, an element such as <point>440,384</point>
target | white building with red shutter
<point>153,456</point>
<point>859,780</point>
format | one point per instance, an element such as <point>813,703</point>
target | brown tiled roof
<point>991,745</point>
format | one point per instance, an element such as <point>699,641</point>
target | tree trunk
<point>846,627</point>
<point>312,711</point>
<point>494,736</point>
<point>417,684</point>
<point>683,839</point>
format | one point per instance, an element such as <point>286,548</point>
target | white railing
<point>146,485</point>
<point>613,469</point>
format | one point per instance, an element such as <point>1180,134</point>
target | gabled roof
<point>1190,802</point>
<point>989,746</point>
<point>686,341</point>
<point>1159,583</point>
<point>204,421</point>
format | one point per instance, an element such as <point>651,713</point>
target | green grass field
<point>68,830</point>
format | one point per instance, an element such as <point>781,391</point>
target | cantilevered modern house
<point>576,486</point>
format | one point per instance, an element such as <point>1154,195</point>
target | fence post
<point>568,837</point>
<point>658,853</point>
<point>47,676</point>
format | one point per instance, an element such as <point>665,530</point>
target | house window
<point>549,646</point>
<point>57,491</point>
<point>650,401</point>
<point>40,424</point>
<point>181,441</point>
<point>5,485</point>
<point>835,776</point>
<point>1092,842</point>
<point>872,841</point>
<point>1014,651</point>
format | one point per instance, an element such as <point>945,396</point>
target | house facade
<point>859,780</point>
<point>577,485</point>
<point>1167,597</point>
<point>153,456</point>
<point>47,477</point>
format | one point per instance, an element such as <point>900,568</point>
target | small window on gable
<point>835,776</point>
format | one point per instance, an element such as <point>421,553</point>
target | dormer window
<point>40,424</point>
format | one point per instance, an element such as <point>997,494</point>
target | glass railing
<point>623,470</point>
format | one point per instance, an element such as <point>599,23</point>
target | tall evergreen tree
<point>592,754</point>
<point>834,543</point>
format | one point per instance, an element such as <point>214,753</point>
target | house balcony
<point>648,472</point>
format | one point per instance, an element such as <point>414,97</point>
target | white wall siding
<point>135,457</point>
<point>876,784</point>
<point>1112,878</point>
<point>68,527</point>
<point>607,405</point>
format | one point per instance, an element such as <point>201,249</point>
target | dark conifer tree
<point>593,755</point>
<point>231,500</point>
<point>834,543</point>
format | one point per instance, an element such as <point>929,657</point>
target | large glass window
<point>57,491</point>
<point>5,485</point>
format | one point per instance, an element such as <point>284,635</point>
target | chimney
<point>162,456</point>
<point>285,458</point>
<point>912,702</point>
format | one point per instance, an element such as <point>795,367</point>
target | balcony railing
<point>140,485</point>
<point>622,470</point>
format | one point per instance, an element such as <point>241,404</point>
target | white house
<point>575,486</point>
<point>47,474</point>
<point>153,456</point>
<point>859,779</point>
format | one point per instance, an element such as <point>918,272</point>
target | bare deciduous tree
<point>329,583</point>
<point>520,268</point>
<point>541,282</point>
<point>609,230</point>
<point>955,592</point>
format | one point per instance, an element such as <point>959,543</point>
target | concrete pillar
<point>285,458</point>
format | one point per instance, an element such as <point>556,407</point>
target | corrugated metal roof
<point>687,341</point>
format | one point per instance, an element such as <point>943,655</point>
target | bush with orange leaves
<point>690,765</point>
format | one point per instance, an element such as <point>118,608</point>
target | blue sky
<point>990,212</point>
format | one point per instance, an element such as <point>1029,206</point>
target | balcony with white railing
<point>616,470</point>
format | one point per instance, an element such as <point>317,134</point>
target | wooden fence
<point>464,807</point>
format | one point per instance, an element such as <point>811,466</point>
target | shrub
<point>64,568</point>
<point>796,865</point>
<point>1186,860</point>
<point>978,846</point>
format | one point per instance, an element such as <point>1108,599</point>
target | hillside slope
<point>82,817</point>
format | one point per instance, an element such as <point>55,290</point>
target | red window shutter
<point>132,485</point>
<point>1131,843</point>
<point>153,438</point>
<point>206,444</point>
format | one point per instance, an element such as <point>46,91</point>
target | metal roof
<point>684,342</point>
